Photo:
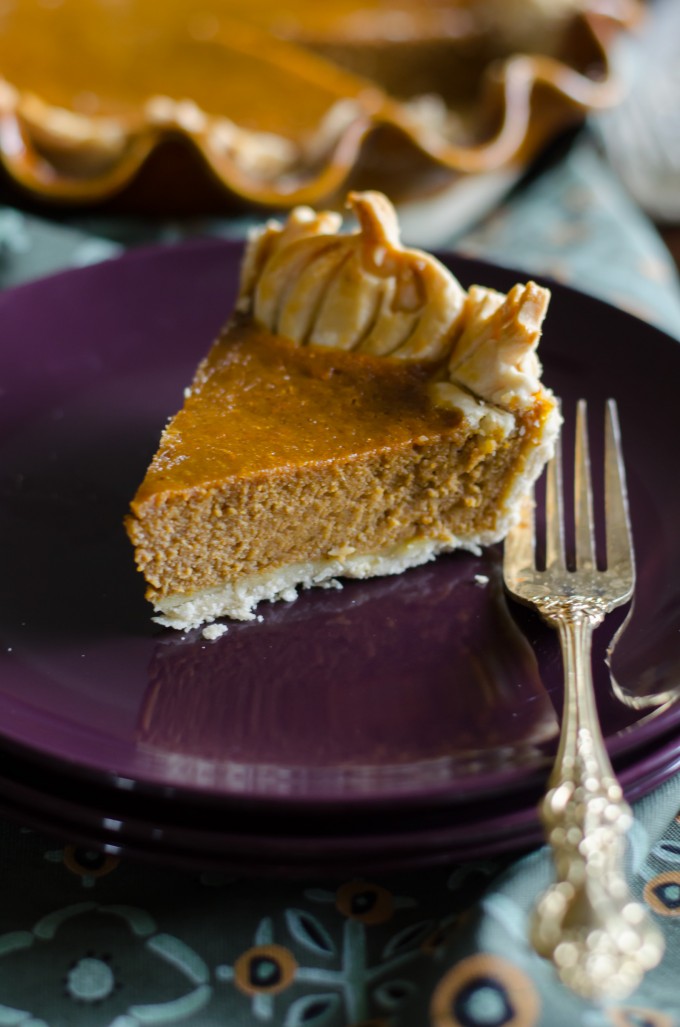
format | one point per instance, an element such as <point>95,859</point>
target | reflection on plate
<point>408,717</point>
<point>333,693</point>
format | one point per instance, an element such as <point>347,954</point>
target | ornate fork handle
<point>587,923</point>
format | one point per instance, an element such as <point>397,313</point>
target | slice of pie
<point>360,414</point>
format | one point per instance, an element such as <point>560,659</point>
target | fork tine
<point>619,535</point>
<point>554,512</point>
<point>583,493</point>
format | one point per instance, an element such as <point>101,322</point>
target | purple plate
<point>416,695</point>
<point>298,846</point>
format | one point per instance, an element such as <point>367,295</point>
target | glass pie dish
<point>176,108</point>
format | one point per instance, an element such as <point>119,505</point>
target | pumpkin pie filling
<point>298,458</point>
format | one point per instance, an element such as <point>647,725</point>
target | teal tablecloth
<point>106,943</point>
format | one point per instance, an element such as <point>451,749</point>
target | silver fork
<point>599,939</point>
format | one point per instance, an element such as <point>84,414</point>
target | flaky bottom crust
<point>238,599</point>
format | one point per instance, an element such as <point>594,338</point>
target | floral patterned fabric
<point>89,939</point>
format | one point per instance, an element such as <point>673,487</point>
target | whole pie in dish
<point>173,106</point>
<point>360,414</point>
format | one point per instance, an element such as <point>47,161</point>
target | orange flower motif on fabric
<point>484,991</point>
<point>86,863</point>
<point>365,902</point>
<point>265,970</point>
<point>662,893</point>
